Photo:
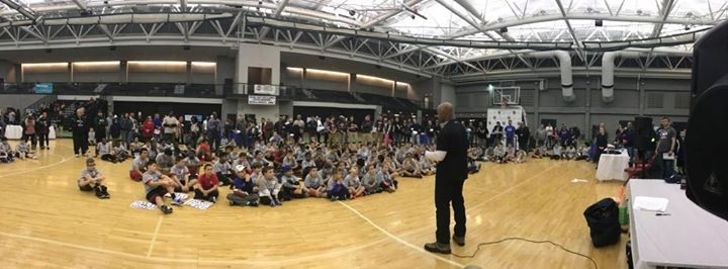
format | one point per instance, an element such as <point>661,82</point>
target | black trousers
<point>33,140</point>
<point>44,140</point>
<point>214,140</point>
<point>209,197</point>
<point>447,191</point>
<point>80,143</point>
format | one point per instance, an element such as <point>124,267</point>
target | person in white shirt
<point>170,124</point>
<point>103,150</point>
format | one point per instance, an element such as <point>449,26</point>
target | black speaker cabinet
<point>706,145</point>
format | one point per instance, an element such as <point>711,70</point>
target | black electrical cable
<point>530,241</point>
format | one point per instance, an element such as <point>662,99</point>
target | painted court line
<point>178,260</point>
<point>398,239</point>
<point>467,208</point>
<point>154,237</point>
<point>63,160</point>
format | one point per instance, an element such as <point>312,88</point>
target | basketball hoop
<point>505,96</point>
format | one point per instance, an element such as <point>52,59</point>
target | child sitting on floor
<point>499,153</point>
<point>314,183</point>
<point>337,190</point>
<point>157,186</point>
<point>22,151</point>
<point>291,188</point>
<point>103,150</point>
<point>521,157</point>
<point>206,188</point>
<point>426,166</point>
<point>387,181</point>
<point>556,154</point>
<point>91,179</point>
<point>224,170</point>
<point>136,146</point>
<point>410,167</point>
<point>570,153</point>
<point>371,180</point>
<point>268,187</point>
<point>353,184</point>
<point>6,152</point>
<point>244,189</point>
<point>119,151</point>
<point>138,165</point>
<point>192,163</point>
<point>181,176</point>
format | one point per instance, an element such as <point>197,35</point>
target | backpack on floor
<point>603,220</point>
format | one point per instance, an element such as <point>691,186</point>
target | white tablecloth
<point>16,132</point>
<point>611,166</point>
<point>13,132</point>
<point>688,237</point>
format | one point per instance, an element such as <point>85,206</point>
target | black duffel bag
<point>603,220</point>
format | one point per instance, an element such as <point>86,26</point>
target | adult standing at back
<point>29,130</point>
<point>80,133</point>
<point>100,125</point>
<point>42,125</point>
<point>451,155</point>
<point>170,124</point>
<point>213,131</point>
<point>666,148</point>
<point>125,125</point>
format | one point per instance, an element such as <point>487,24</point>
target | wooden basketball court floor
<point>45,222</point>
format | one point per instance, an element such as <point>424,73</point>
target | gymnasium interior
<point>305,133</point>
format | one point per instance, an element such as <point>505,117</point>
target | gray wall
<point>633,97</point>
<point>309,61</point>
<point>229,106</point>
<point>260,111</point>
<point>19,101</point>
<point>152,53</point>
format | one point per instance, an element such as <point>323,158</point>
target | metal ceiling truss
<point>512,64</point>
<point>230,29</point>
<point>223,32</point>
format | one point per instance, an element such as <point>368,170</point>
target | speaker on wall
<point>706,146</point>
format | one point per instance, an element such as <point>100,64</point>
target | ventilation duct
<point>567,80</point>
<point>608,72</point>
<point>608,67</point>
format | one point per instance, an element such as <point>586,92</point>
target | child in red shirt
<point>207,183</point>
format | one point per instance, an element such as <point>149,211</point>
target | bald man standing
<point>451,158</point>
<point>80,133</point>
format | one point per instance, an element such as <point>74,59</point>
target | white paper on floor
<point>181,195</point>
<point>650,203</point>
<point>199,204</point>
<point>143,205</point>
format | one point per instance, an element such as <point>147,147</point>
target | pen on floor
<point>659,214</point>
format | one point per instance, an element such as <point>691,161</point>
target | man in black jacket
<point>524,135</point>
<point>100,124</point>
<point>80,133</point>
<point>42,125</point>
<point>451,155</point>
